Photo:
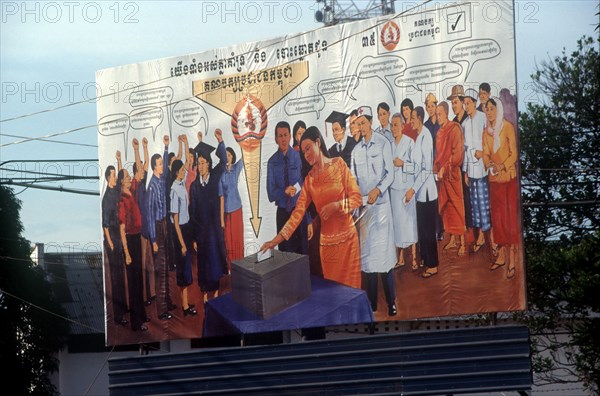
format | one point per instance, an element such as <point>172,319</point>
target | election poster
<point>352,174</point>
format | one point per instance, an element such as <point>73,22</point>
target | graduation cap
<point>204,149</point>
<point>334,117</point>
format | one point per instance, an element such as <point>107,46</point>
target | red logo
<point>249,122</point>
<point>390,35</point>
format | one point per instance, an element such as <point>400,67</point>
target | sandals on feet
<point>495,250</point>
<point>510,273</point>
<point>477,247</point>
<point>450,245</point>
<point>495,266</point>
<point>461,250</point>
<point>414,266</point>
<point>428,274</point>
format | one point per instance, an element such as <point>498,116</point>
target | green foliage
<point>561,194</point>
<point>559,145</point>
<point>31,330</point>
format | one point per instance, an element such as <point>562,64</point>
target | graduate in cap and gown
<point>205,215</point>
<point>344,144</point>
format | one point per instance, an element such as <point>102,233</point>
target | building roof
<point>76,280</point>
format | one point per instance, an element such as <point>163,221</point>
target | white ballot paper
<point>264,256</point>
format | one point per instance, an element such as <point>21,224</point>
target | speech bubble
<point>147,117</point>
<point>431,73</point>
<point>307,104</point>
<point>152,96</point>
<point>189,113</point>
<point>473,51</point>
<point>381,68</point>
<point>333,85</point>
<point>115,124</point>
<point>161,96</point>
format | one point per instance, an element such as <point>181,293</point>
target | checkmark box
<point>457,22</point>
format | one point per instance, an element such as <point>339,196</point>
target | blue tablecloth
<point>329,304</point>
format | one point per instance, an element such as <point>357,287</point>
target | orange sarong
<point>449,144</point>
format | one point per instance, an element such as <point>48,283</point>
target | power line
<point>559,204</point>
<point>250,52</point>
<point>29,260</point>
<point>94,99</point>
<point>562,169</point>
<point>50,312</point>
<point>99,371</point>
<point>382,22</point>
<point>34,172</point>
<point>52,188</point>
<point>50,141</point>
<point>70,250</point>
<point>50,161</point>
<point>50,135</point>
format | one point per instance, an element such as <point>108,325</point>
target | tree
<point>559,144</point>
<point>563,279</point>
<point>32,328</point>
<point>560,138</point>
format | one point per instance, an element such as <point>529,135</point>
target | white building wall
<point>85,373</point>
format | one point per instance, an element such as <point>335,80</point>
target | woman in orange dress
<point>500,158</point>
<point>335,194</point>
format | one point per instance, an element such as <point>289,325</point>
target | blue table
<point>329,303</point>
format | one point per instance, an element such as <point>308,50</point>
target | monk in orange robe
<point>449,144</point>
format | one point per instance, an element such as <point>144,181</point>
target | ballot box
<point>270,286</point>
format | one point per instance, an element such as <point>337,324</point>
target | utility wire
<point>29,260</point>
<point>99,371</point>
<point>250,52</point>
<point>49,140</point>
<point>382,22</point>
<point>50,312</point>
<point>47,179</point>
<point>34,172</point>
<point>29,303</point>
<point>51,135</point>
<point>51,188</point>
<point>560,204</point>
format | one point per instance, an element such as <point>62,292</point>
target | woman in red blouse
<point>130,223</point>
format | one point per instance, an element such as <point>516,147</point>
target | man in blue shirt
<point>383,115</point>
<point>156,217</point>
<point>112,244</point>
<point>284,182</point>
<point>147,257</point>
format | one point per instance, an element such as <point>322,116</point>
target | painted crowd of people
<point>169,215</point>
<point>379,192</point>
<point>359,209</point>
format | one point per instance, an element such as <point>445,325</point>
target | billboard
<point>355,173</point>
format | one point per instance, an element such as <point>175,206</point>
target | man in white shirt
<point>373,168</point>
<point>475,175</point>
<point>425,190</point>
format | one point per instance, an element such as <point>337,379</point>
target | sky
<point>50,52</point>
